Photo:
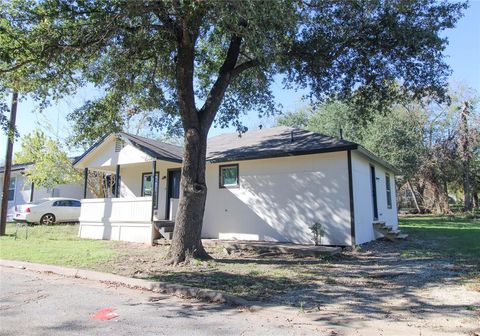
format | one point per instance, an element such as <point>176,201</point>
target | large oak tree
<point>195,63</point>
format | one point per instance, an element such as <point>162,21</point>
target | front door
<point>173,192</point>
<point>374,192</point>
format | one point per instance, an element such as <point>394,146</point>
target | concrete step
<point>164,223</point>
<point>165,228</point>
<point>166,233</point>
<point>379,223</point>
<point>388,232</point>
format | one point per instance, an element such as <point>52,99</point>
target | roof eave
<point>89,150</point>
<point>284,154</point>
<point>377,159</point>
<point>152,153</point>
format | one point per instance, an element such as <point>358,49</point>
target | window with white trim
<point>388,187</point>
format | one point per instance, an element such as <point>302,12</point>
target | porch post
<point>117,181</point>
<point>85,182</point>
<point>32,188</point>
<point>154,182</point>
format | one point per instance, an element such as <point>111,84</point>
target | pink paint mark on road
<point>104,314</point>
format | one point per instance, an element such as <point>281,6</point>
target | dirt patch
<point>377,286</point>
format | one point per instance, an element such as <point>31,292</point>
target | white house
<point>271,184</point>
<point>22,191</point>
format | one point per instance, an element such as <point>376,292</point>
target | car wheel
<point>47,219</point>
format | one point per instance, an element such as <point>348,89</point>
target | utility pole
<point>8,163</point>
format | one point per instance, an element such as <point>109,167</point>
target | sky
<point>462,54</point>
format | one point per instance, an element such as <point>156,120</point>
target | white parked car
<point>48,211</point>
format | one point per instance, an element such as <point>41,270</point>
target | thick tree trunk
<point>187,241</point>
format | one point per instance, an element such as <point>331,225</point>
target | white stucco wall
<point>280,198</point>
<point>363,202</point>
<point>105,156</point>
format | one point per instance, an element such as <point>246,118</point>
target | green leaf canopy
<point>130,50</point>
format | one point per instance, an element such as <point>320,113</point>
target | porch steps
<point>165,227</point>
<point>388,232</point>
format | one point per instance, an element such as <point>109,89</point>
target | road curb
<point>180,291</point>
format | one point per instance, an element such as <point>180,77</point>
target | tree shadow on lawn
<point>251,286</point>
<point>378,283</point>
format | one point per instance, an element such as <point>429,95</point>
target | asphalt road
<point>47,304</point>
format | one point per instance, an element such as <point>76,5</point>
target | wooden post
<point>154,181</point>
<point>8,163</point>
<point>85,182</point>
<point>117,181</point>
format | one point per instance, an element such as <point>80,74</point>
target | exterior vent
<point>119,144</point>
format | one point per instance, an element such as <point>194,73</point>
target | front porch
<point>142,194</point>
<point>136,211</point>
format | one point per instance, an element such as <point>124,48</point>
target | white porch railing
<point>127,219</point>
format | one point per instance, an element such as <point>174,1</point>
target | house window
<point>147,184</point>
<point>389,190</point>
<point>229,176</point>
<point>11,189</point>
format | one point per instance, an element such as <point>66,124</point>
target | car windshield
<point>40,201</point>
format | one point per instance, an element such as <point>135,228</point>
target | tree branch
<point>185,65</point>
<point>215,96</point>
<point>17,66</point>
<point>244,66</point>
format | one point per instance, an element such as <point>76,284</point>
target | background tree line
<point>435,146</point>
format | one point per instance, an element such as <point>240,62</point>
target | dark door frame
<point>373,178</point>
<point>167,189</point>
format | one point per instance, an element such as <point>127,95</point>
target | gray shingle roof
<point>269,142</point>
<point>18,166</point>
<point>272,142</point>
<point>266,143</point>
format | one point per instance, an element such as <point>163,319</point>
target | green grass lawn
<point>56,245</point>
<point>457,237</point>
<point>245,275</point>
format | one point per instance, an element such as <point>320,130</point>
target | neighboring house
<point>21,191</point>
<point>271,184</point>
